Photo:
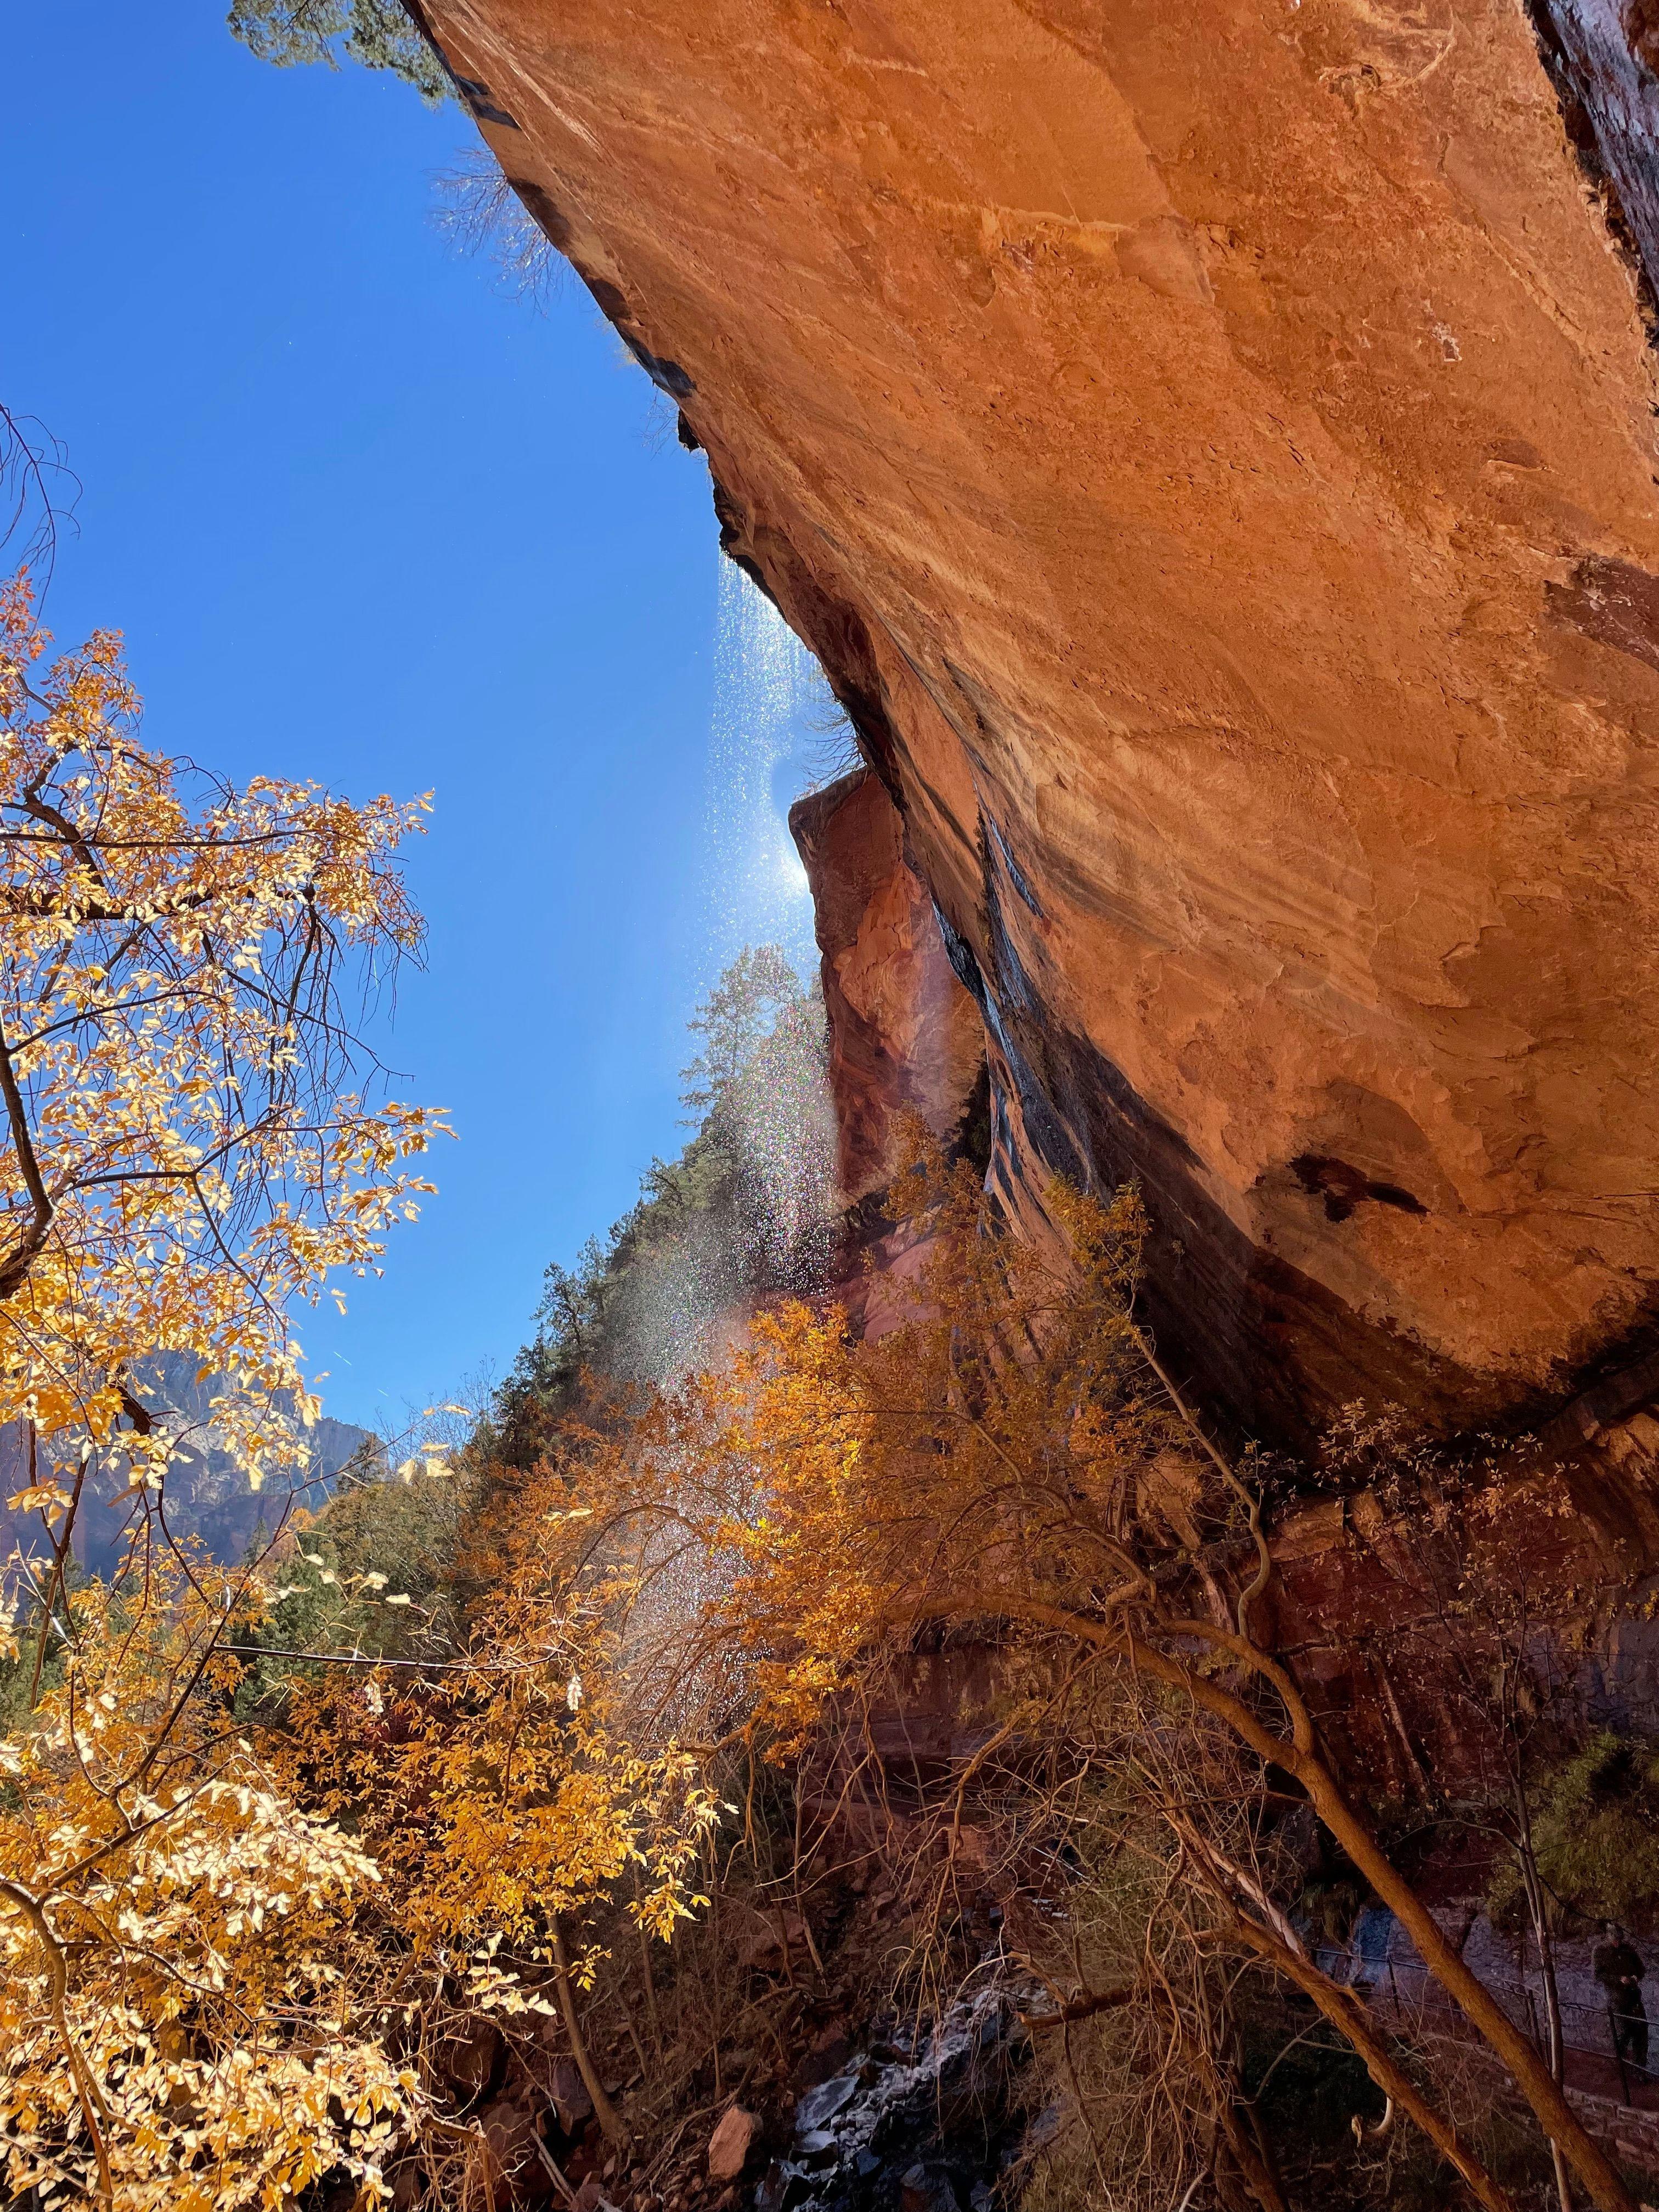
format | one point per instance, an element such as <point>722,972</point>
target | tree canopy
<point>378,33</point>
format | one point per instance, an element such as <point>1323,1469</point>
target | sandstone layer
<point>1210,445</point>
<point>905,1036</point>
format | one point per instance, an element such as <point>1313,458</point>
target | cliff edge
<point>1210,446</point>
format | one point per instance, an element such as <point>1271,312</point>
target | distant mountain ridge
<point>208,1496</point>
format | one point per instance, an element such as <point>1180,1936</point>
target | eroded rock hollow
<point>1210,445</point>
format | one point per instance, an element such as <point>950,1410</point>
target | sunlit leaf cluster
<point>182,2021</point>
<point>192,1138</point>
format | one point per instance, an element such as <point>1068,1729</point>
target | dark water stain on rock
<point>1613,602</point>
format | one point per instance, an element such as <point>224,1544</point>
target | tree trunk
<point>1348,2016</point>
<point>1254,2169</point>
<point>1540,1929</point>
<point>609,2118</point>
<point>1301,1758</point>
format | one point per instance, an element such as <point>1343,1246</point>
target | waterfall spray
<point>749,1211</point>
<point>768,691</point>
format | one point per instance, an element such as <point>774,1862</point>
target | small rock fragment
<point>784,2186</point>
<point>730,2144</point>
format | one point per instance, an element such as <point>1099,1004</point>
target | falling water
<point>769,693</point>
<point>771,707</point>
<point>771,710</point>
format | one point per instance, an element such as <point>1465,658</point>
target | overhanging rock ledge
<point>1211,445</point>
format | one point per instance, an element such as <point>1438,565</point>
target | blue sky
<point>363,516</point>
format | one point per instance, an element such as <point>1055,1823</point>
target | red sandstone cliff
<point>1210,445</point>
<point>905,1036</point>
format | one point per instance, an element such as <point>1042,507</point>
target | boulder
<point>827,2054</point>
<point>768,1941</point>
<point>567,2095</point>
<point>922,2190</point>
<point>469,2057</point>
<point>515,2173</point>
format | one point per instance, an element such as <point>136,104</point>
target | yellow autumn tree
<point>205,1975</point>
<point>192,1144</point>
<point>510,1795</point>
<point>183,2007</point>
<point>188,1146</point>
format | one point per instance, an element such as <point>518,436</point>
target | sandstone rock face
<point>905,1037</point>
<point>1210,445</point>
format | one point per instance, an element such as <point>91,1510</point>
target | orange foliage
<point>766,1529</point>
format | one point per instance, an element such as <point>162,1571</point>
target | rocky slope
<point>1210,445</point>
